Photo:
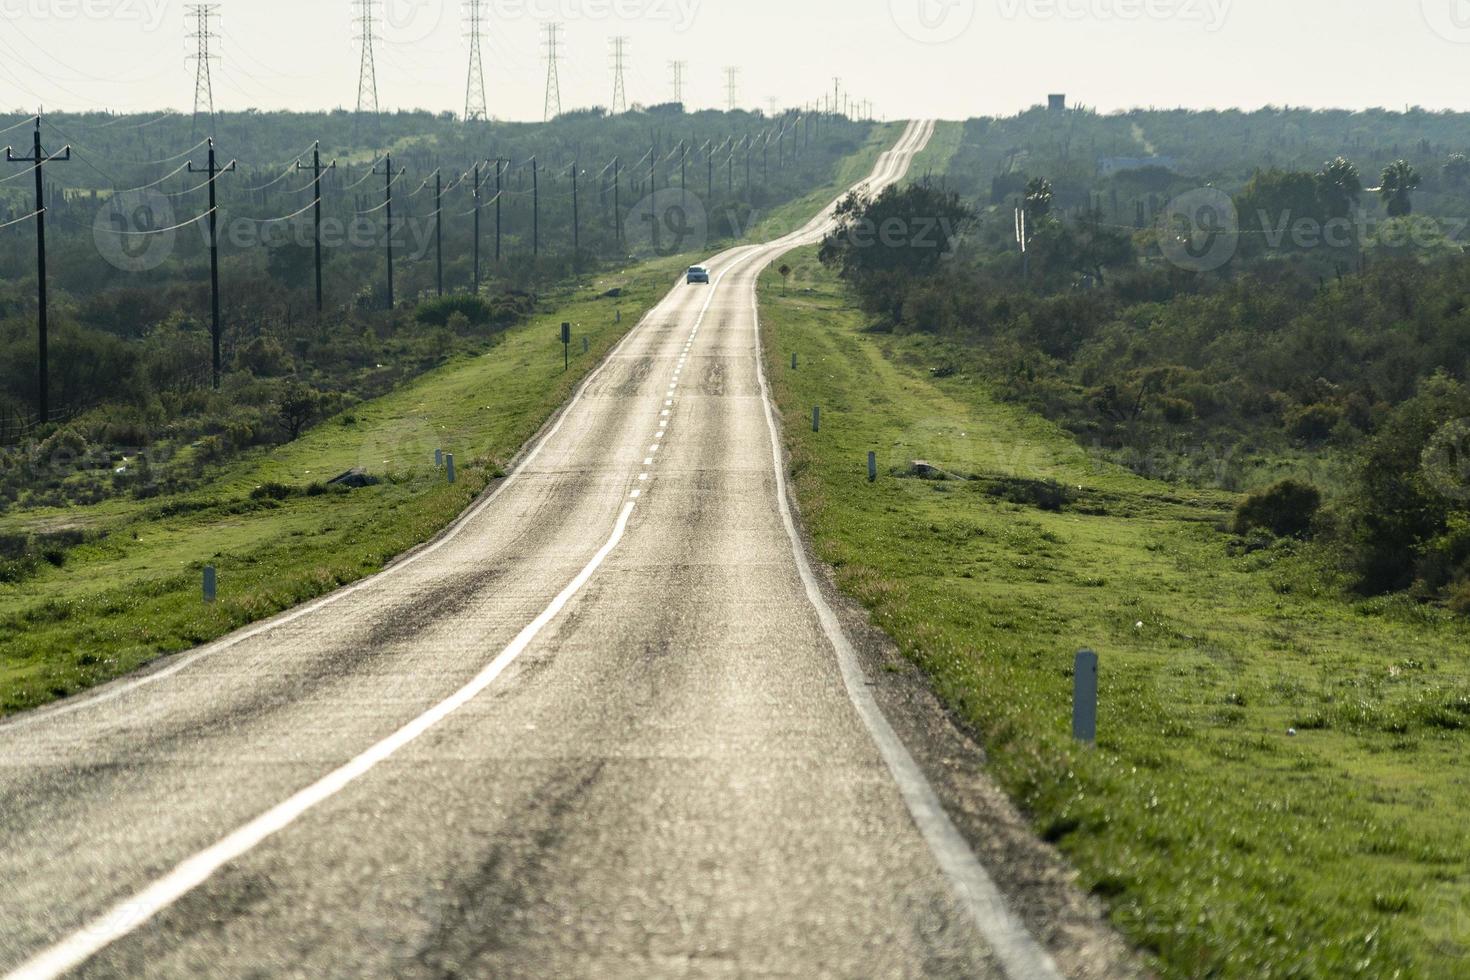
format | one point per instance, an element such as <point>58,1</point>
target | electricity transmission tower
<point>474,98</point>
<point>731,74</point>
<point>553,82</point>
<point>620,91</point>
<point>367,74</point>
<point>677,67</point>
<point>772,102</point>
<point>200,14</point>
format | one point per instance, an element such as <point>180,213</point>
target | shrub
<point>270,491</point>
<point>1286,509</point>
<point>1313,423</point>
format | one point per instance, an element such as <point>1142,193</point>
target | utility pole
<point>214,171</point>
<point>439,231</point>
<point>37,158</point>
<point>535,208</point>
<point>836,97</point>
<point>500,162</point>
<point>475,290</point>
<point>316,184</point>
<point>653,194</point>
<point>389,176</point>
<point>683,174</point>
<point>367,72</point>
<point>620,92</point>
<point>553,81</point>
<point>200,14</point>
<point>677,67</point>
<point>617,203</point>
<point>709,159</point>
<point>731,74</point>
<point>576,221</point>
<point>474,96</point>
<point>749,197</point>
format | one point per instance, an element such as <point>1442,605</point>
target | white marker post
<point>1084,698</point>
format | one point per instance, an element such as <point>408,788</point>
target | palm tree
<point>1341,185</point>
<point>1399,181</point>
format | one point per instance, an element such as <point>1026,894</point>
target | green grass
<point>133,594</point>
<point>1223,845</point>
<point>943,145</point>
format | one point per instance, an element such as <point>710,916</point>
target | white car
<point>698,273</point>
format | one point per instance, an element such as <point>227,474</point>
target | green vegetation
<point>91,592</point>
<point>1278,783</point>
<point>130,346</point>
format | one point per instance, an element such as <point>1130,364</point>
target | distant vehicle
<point>698,273</point>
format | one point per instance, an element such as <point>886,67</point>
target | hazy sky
<point>946,58</point>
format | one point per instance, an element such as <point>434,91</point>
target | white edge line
<point>1020,956</point>
<point>129,914</point>
<point>125,686</point>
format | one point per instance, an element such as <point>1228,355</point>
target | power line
<point>367,73</point>
<point>620,92</point>
<point>553,82</point>
<point>474,99</point>
<point>200,14</point>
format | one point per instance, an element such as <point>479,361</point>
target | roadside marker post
<point>586,345</point>
<point>566,346</point>
<point>211,584</point>
<point>793,360</point>
<point>438,459</point>
<point>1084,698</point>
<point>449,466</point>
<point>872,467</point>
<point>817,418</point>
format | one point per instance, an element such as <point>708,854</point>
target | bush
<point>1313,423</point>
<point>1286,509</point>
<point>271,491</point>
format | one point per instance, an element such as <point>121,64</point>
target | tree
<point>785,271</point>
<point>1399,181</point>
<point>1339,186</point>
<point>1457,169</point>
<point>298,408</point>
<point>1038,200</point>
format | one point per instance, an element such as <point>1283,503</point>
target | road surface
<point>607,726</point>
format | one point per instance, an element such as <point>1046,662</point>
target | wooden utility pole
<point>214,172</point>
<point>389,176</point>
<point>37,159</point>
<point>316,185</point>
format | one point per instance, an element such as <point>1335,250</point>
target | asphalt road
<point>607,726</point>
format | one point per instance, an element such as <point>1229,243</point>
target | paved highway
<point>607,726</point>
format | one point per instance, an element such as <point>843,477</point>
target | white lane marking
<point>734,258</point>
<point>648,461</point>
<point>129,914</point>
<point>636,494</point>
<point>663,425</point>
<point>1020,956</point>
<point>642,477</point>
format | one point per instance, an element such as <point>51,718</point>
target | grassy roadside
<point>132,594</point>
<point>943,145</point>
<point>1224,845</point>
